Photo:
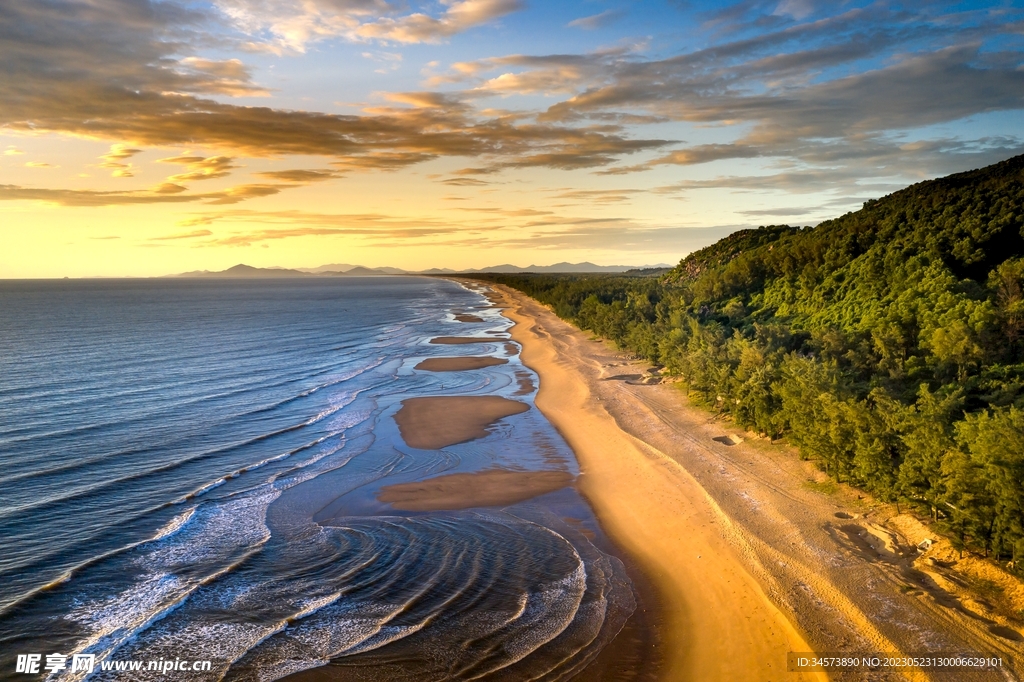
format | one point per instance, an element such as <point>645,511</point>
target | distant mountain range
<point>347,270</point>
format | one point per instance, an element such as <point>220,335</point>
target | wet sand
<point>525,383</point>
<point>717,621</point>
<point>465,317</point>
<point>459,364</point>
<point>436,422</point>
<point>490,488</point>
<point>458,340</point>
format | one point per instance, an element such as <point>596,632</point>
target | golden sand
<point>718,623</point>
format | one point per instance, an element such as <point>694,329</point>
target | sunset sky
<point>145,138</point>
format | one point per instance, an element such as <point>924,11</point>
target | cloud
<point>39,164</point>
<point>386,161</point>
<point>596,21</point>
<point>240,193</point>
<point>781,212</point>
<point>798,87</point>
<point>465,182</point>
<point>220,77</point>
<point>200,168</point>
<point>169,188</point>
<point>299,175</point>
<point>108,70</point>
<point>296,224</point>
<point>182,235</point>
<point>12,151</point>
<point>847,86</point>
<point>292,26</point>
<point>806,181</point>
<point>422,28</point>
<point>506,212</point>
<point>162,194</point>
<point>486,227</point>
<point>525,74</point>
<point>598,196</point>
<point>889,163</point>
<point>75,197</point>
<point>113,160</point>
<point>392,61</point>
<point>612,235</point>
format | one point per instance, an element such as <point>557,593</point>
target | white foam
<point>220,535</point>
<point>174,525</point>
<point>337,404</point>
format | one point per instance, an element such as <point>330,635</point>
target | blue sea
<point>189,469</point>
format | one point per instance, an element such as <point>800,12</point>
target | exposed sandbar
<point>459,364</point>
<point>458,340</point>
<point>465,317</point>
<point>490,488</point>
<point>435,422</point>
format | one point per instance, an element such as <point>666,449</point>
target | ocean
<point>190,469</point>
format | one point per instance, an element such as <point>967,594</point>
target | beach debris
<point>925,544</point>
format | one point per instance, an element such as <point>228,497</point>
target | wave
<point>467,595</point>
<point>178,405</point>
<point>193,550</point>
<point>242,576</point>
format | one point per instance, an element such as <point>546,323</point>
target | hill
<point>242,271</point>
<point>348,270</point>
<point>888,343</point>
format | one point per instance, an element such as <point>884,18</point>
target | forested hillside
<point>887,344</point>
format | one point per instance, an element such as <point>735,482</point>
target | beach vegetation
<point>886,344</point>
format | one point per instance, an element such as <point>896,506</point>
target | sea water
<point>189,469</point>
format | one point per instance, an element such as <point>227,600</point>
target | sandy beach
<point>718,624</point>
<point>435,422</point>
<point>752,552</point>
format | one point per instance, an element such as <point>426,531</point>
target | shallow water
<point>190,470</point>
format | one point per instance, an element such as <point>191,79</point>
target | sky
<point>143,138</point>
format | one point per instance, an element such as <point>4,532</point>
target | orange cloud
<point>115,158</point>
<point>200,168</point>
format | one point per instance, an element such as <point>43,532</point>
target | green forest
<point>887,344</point>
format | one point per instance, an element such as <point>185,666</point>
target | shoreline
<point>716,621</point>
<point>826,566</point>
